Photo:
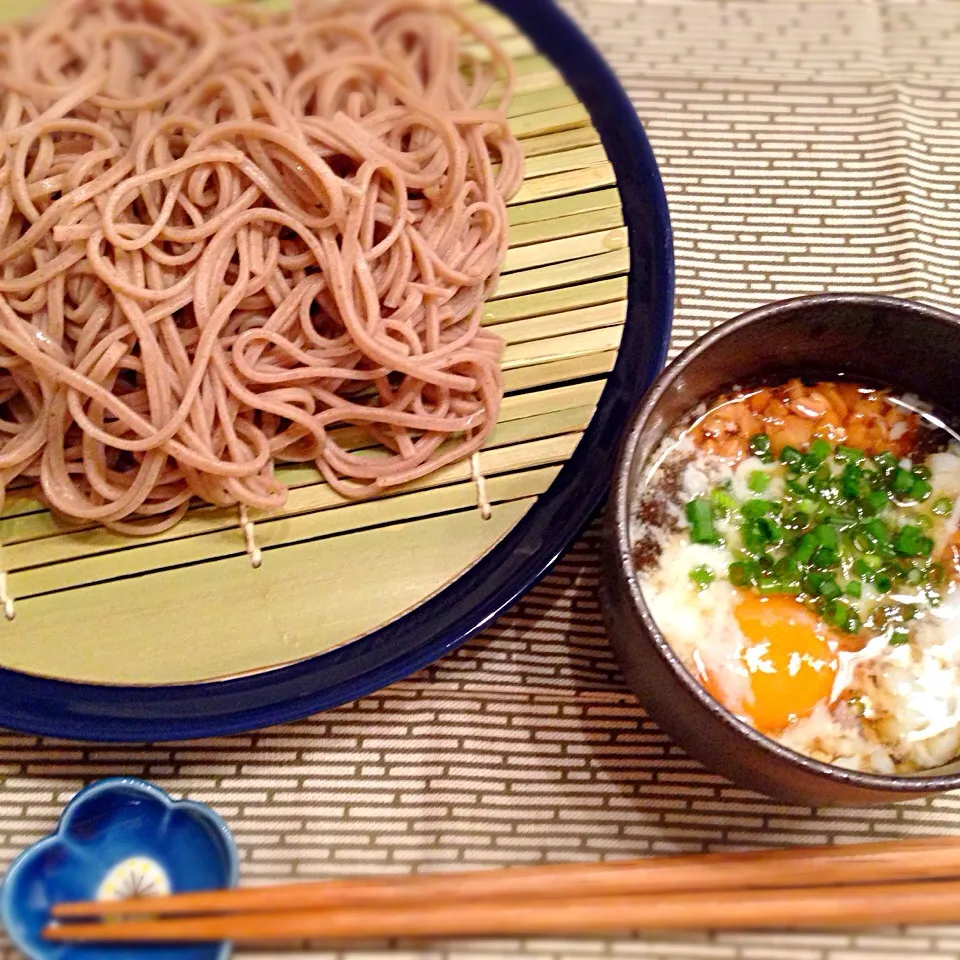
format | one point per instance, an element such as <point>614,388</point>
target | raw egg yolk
<point>788,657</point>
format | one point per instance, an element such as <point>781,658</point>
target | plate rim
<point>462,609</point>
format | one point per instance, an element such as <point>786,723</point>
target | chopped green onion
<point>899,637</point>
<point>723,503</point>
<point>818,450</point>
<point>759,533</point>
<point>853,589</point>
<point>821,585</point>
<point>851,487</point>
<point>835,613</point>
<point>806,547</point>
<point>876,533</point>
<point>700,517</point>
<point>825,534</point>
<point>942,507</point>
<point>771,584</point>
<point>758,481</point>
<point>754,541</point>
<point>853,623</point>
<point>844,519</point>
<point>786,568</point>
<point>877,500</point>
<point>755,509</point>
<point>902,481</point>
<point>819,483</point>
<point>760,447</point>
<point>702,576</point>
<point>849,454</point>
<point>914,576</point>
<point>796,487</point>
<point>830,589</point>
<point>790,455</point>
<point>920,490</point>
<point>841,523</point>
<point>886,461</point>
<point>771,530</point>
<point>825,557</point>
<point>813,583</point>
<point>883,583</point>
<point>910,542</point>
<point>796,521</point>
<point>922,472</point>
<point>738,573</point>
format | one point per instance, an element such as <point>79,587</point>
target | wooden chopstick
<point>934,901</point>
<point>923,859</point>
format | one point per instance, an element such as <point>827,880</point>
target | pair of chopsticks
<point>907,881</point>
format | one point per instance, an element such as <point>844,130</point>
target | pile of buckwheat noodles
<point>226,234</point>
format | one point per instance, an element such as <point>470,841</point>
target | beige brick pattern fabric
<point>805,146</point>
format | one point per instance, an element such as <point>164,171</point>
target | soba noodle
<point>227,234</point>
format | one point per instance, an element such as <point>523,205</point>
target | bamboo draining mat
<point>560,308</point>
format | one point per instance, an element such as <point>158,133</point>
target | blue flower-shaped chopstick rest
<point>118,838</point>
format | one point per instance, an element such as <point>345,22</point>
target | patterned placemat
<point>805,147</point>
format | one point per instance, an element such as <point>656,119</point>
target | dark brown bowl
<point>908,346</point>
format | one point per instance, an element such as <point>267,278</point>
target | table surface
<point>805,146</point>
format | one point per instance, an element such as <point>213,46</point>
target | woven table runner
<point>805,146</point>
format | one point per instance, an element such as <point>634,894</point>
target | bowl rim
<point>621,496</point>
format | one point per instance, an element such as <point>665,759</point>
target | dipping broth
<point>798,547</point>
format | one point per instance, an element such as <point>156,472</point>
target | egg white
<point>699,623</point>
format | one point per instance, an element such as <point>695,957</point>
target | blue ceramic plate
<point>118,838</point>
<point>458,612</point>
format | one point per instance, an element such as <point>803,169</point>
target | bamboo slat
<point>535,73</point>
<point>560,309</point>
<point>564,206</point>
<point>584,344</point>
<point>550,121</point>
<point>610,264</point>
<point>527,378</point>
<point>559,324</point>
<point>514,46</point>
<point>535,102</point>
<point>544,303</point>
<point>526,233</point>
<point>15,9</point>
<point>560,141</point>
<point>563,161</point>
<point>570,181</point>
<point>564,249</point>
